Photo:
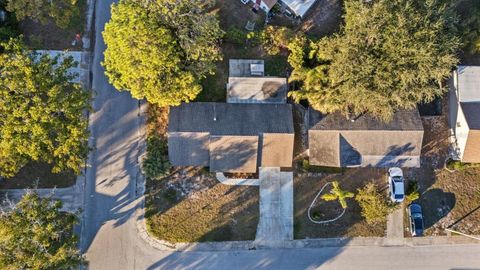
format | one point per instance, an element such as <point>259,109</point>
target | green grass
<point>460,166</point>
<point>305,165</point>
<point>276,65</point>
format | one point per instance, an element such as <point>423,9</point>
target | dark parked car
<point>416,219</point>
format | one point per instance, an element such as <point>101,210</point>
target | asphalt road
<point>109,237</point>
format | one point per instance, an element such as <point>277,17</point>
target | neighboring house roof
<point>471,110</point>
<point>270,3</point>
<point>300,7</point>
<point>231,137</point>
<point>468,82</point>
<point>465,106</point>
<point>77,71</point>
<point>256,90</point>
<point>338,142</point>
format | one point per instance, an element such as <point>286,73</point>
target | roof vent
<point>257,69</point>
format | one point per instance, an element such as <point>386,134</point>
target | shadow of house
<point>228,137</point>
<point>336,141</point>
<point>436,204</point>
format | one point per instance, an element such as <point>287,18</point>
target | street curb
<point>301,244</point>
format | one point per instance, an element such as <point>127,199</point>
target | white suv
<point>396,184</point>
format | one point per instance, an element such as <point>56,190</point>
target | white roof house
<point>299,7</point>
<point>464,113</point>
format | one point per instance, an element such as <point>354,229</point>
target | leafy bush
<point>412,193</point>
<point>374,206</point>
<point>459,166</point>
<point>156,165</point>
<point>235,35</point>
<point>275,39</point>
<point>170,195</point>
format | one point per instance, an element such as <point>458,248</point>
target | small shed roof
<point>241,67</point>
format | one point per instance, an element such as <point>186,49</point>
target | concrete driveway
<point>276,207</point>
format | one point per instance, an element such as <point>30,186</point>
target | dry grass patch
<point>352,223</point>
<point>192,206</point>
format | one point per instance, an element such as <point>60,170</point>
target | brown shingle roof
<point>220,135</point>
<point>336,141</point>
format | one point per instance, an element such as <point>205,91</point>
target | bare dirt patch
<point>352,223</point>
<point>324,18</point>
<point>51,37</point>
<point>38,175</point>
<point>191,205</point>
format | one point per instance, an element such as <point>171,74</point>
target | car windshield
<point>397,179</point>
<point>418,223</point>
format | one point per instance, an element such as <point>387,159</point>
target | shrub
<point>459,166</point>
<point>374,206</point>
<point>338,194</point>
<point>235,35</point>
<point>412,193</point>
<point>170,195</point>
<point>156,165</point>
<point>274,39</point>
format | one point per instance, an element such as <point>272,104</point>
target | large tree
<point>160,50</point>
<point>61,11</point>
<point>390,54</point>
<point>36,235</point>
<point>41,111</point>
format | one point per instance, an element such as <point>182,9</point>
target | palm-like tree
<point>338,194</point>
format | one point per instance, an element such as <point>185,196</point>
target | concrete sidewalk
<point>395,227</point>
<point>276,207</point>
<point>71,197</point>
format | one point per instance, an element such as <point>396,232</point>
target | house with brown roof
<point>231,137</point>
<point>464,113</point>
<point>336,141</point>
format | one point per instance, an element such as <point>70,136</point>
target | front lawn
<point>190,205</point>
<point>351,224</point>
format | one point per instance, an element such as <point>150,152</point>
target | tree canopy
<point>41,111</point>
<point>160,50</point>
<point>61,11</point>
<point>36,235</point>
<point>390,55</point>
